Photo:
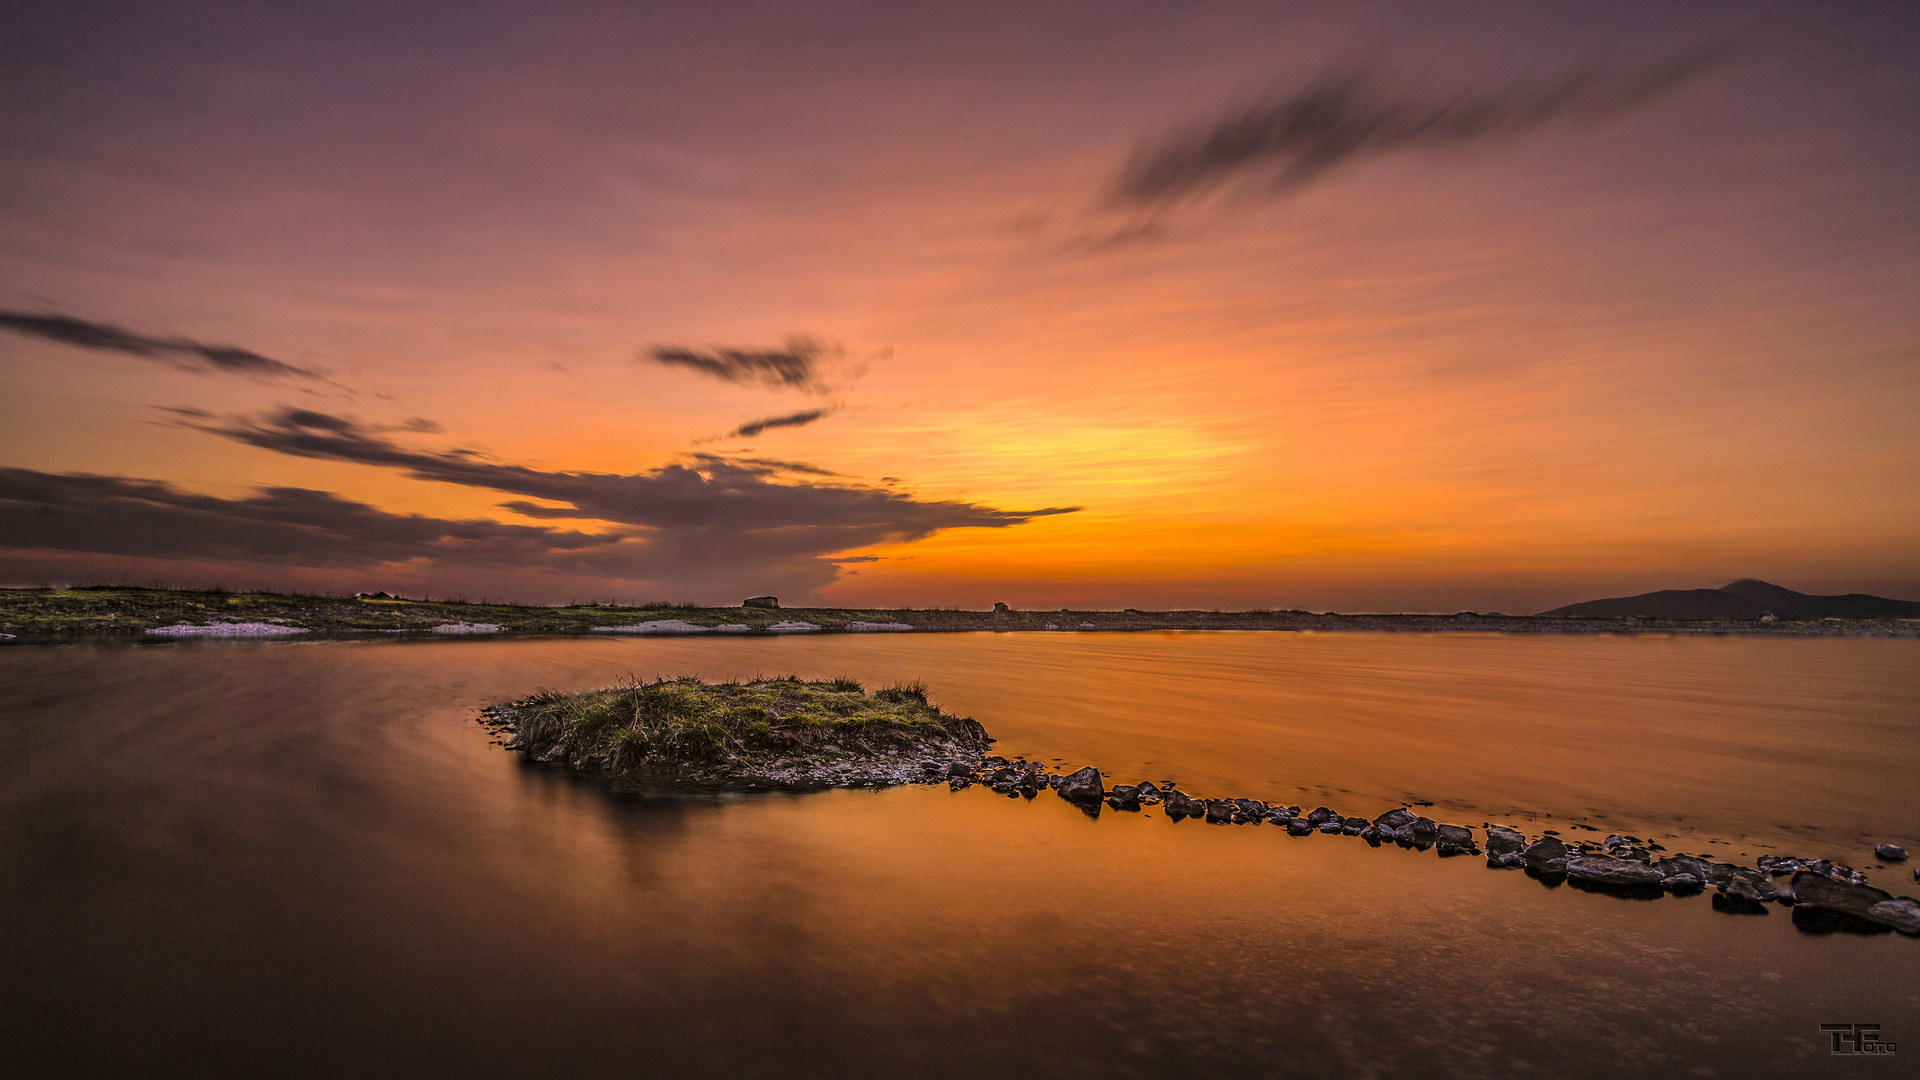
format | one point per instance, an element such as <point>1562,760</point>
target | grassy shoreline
<point>99,611</point>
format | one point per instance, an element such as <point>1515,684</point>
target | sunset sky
<point>1346,307</point>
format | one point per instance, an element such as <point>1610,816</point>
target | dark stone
<point>1812,890</point>
<point>925,766</point>
<point>1219,811</point>
<point>1505,860</point>
<point>1890,852</point>
<point>1903,914</point>
<point>1682,884</point>
<point>1371,834</point>
<point>1354,826</point>
<point>761,601</point>
<point>1813,920</point>
<point>1331,828</point>
<point>1124,797</point>
<point>1420,831</point>
<point>1179,804</point>
<point>1084,786</point>
<point>1504,841</point>
<point>1298,827</point>
<point>1249,810</point>
<point>1001,609</point>
<point>1547,855</point>
<point>1148,793</point>
<point>1602,870</point>
<point>1279,815</point>
<point>1321,814</point>
<point>1735,904</point>
<point>958,782</point>
<point>960,768</point>
<point>1394,819</point>
<point>1456,840</point>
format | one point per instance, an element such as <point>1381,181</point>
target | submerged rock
<point>1890,852</point>
<point>1505,860</point>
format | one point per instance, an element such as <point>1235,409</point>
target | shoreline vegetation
<point>684,735</point>
<point>153,614</point>
<point>782,733</point>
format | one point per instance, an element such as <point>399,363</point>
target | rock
<point>1601,870</point>
<point>958,782</point>
<point>1822,893</point>
<point>1420,831</point>
<point>1083,787</point>
<point>1504,841</point>
<point>1371,834</point>
<point>1124,797</point>
<point>1299,827</point>
<point>1179,804</point>
<point>1902,914</point>
<point>1354,826</point>
<point>1331,828</point>
<point>1249,810</point>
<point>1148,791</point>
<point>1738,899</point>
<point>1547,855</point>
<point>1394,819</point>
<point>1456,840</point>
<point>960,768</point>
<point>1279,815</point>
<point>1219,812</point>
<point>1505,860</point>
<point>1321,814</point>
<point>1682,883</point>
<point>1890,852</point>
<point>761,601</point>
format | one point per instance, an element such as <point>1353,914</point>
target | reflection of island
<point>1744,599</point>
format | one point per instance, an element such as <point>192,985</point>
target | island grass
<point>684,722</point>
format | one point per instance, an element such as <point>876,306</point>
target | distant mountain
<point>1744,599</point>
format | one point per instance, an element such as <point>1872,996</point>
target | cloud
<point>182,353</point>
<point>291,526</point>
<point>1294,140</point>
<point>711,518</point>
<point>799,419</point>
<point>795,365</point>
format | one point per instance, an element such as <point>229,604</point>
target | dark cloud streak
<point>796,365</point>
<point>181,353</point>
<point>799,419</point>
<point>1295,140</point>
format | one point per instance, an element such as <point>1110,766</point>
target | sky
<point>1348,307</point>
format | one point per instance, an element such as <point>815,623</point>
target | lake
<point>305,859</point>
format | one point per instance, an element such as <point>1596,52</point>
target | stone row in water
<point>1825,895</point>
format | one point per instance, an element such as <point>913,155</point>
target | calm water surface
<point>303,859</point>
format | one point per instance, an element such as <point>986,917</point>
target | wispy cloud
<point>1287,142</point>
<point>176,352</point>
<point>799,419</point>
<point>797,364</point>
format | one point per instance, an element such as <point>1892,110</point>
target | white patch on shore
<point>1088,626</point>
<point>659,626</point>
<point>793,628</point>
<point>468,628</point>
<point>731,628</point>
<point>227,629</point>
<point>878,627</point>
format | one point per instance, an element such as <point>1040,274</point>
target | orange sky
<point>1548,306</point>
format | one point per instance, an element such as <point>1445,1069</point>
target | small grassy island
<point>769,733</point>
